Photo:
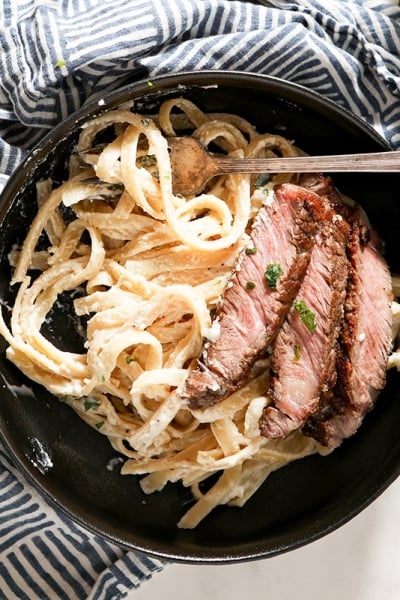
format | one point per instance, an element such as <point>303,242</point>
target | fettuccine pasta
<point>147,269</point>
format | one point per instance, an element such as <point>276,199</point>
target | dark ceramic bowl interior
<point>298,503</point>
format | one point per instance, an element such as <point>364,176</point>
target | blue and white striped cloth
<point>55,54</point>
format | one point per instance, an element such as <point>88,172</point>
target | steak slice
<point>252,311</point>
<point>323,186</point>
<point>303,362</point>
<point>364,344</point>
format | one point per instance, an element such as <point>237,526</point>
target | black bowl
<point>67,460</point>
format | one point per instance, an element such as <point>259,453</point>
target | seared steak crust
<point>303,362</point>
<point>364,344</point>
<point>251,312</point>
<point>324,186</point>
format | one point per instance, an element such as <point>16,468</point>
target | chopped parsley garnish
<point>129,360</point>
<point>146,122</point>
<point>306,315</point>
<point>262,180</point>
<point>250,285</point>
<point>148,160</point>
<point>150,84</point>
<point>251,250</point>
<point>60,63</point>
<point>272,274</point>
<point>90,402</point>
<point>99,425</point>
<point>296,352</point>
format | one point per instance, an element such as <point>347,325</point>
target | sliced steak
<point>335,421</point>
<point>364,344</point>
<point>323,186</point>
<point>253,306</point>
<point>303,361</point>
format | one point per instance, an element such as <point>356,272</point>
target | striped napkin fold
<point>44,555</point>
<point>56,54</point>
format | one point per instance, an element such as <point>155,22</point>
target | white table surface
<point>359,561</point>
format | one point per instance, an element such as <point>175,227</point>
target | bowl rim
<point>103,102</point>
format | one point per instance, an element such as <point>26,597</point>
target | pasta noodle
<point>150,268</point>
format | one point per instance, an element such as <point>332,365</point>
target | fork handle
<point>373,161</point>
